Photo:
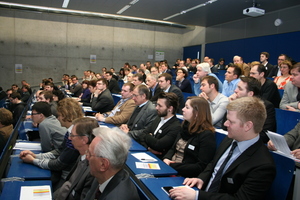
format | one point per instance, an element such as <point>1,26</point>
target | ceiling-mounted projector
<point>253,12</point>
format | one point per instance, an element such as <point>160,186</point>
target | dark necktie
<point>97,194</point>
<point>215,184</point>
<point>298,95</point>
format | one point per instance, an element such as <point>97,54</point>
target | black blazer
<point>269,68</point>
<point>273,71</point>
<point>248,177</point>
<point>164,138</point>
<point>113,86</point>
<point>185,86</point>
<point>199,151</point>
<point>103,103</point>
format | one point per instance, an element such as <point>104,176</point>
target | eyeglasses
<point>35,113</point>
<point>71,135</point>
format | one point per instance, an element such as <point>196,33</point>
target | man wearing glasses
<point>107,155</point>
<point>50,130</point>
<point>143,114</point>
<point>79,180</point>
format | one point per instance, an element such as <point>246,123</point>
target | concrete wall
<point>49,45</point>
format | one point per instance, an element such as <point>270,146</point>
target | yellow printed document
<point>42,192</point>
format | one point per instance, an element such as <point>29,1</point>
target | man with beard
<point>161,134</point>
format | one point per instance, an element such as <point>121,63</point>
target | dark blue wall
<point>192,51</point>
<point>250,48</point>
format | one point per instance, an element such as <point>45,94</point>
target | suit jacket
<point>273,71</point>
<point>76,90</point>
<point>198,152</point>
<point>179,94</point>
<point>293,139</point>
<point>248,177</point>
<point>269,68</point>
<point>269,91</point>
<point>113,86</point>
<point>104,102</point>
<point>81,184</point>
<point>164,138</point>
<point>185,85</point>
<point>157,91</point>
<point>289,97</point>
<point>119,187</point>
<point>144,119</point>
<point>122,116</point>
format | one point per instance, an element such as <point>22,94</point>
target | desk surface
<point>165,170</point>
<point>135,146</point>
<point>28,171</point>
<point>155,185</point>
<point>11,190</point>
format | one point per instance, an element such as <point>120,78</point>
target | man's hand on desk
<point>99,117</point>
<point>271,146</point>
<point>183,193</point>
<point>28,158</point>
<point>124,128</point>
<point>296,153</point>
<point>191,182</point>
<point>25,153</point>
<point>290,108</point>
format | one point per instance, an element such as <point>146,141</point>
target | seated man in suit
<point>107,155</point>
<point>102,99</point>
<point>243,167</point>
<point>143,114</point>
<point>250,87</point>
<point>275,71</point>
<point>113,85</point>
<point>79,179</point>
<point>291,95</point>
<point>165,83</point>
<point>153,86</point>
<point>161,134</point>
<point>123,109</point>
<point>76,87</point>
<point>269,90</point>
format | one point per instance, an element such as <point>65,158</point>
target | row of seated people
<point>140,98</point>
<point>191,138</point>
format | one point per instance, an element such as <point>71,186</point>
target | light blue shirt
<point>240,148</point>
<point>229,87</point>
<point>197,86</point>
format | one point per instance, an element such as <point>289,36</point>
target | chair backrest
<point>281,91</point>
<point>284,175</point>
<point>120,82</point>
<point>186,95</point>
<point>286,120</point>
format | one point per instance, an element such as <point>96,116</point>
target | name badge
<point>73,193</point>
<point>159,131</point>
<point>192,147</point>
<point>135,125</point>
<point>230,180</point>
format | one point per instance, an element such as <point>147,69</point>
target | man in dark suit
<point>107,154</point>
<point>275,70</point>
<point>242,168</point>
<point>79,180</point>
<point>269,90</point>
<point>264,59</point>
<point>143,114</point>
<point>76,87</point>
<point>165,69</point>
<point>250,87</point>
<point>161,134</point>
<point>102,100</point>
<point>153,86</point>
<point>113,85</point>
<point>165,83</point>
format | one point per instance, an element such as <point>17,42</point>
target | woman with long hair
<point>195,146</point>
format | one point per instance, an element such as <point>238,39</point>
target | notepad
<point>42,192</point>
<point>142,165</point>
<point>143,157</point>
<point>28,146</point>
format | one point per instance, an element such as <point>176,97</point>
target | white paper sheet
<point>28,146</point>
<point>142,165</point>
<point>42,192</point>
<point>143,157</point>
